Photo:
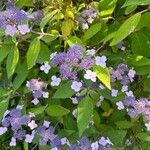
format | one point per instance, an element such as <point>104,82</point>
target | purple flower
<point>76,86</point>
<point>55,81</point>
<point>65,71</point>
<point>86,63</point>
<point>101,61</point>
<point>23,29</point>
<point>35,85</point>
<point>35,101</point>
<point>125,80</point>
<point>95,146</point>
<point>74,54</point>
<point>37,94</point>
<point>37,17</point>
<point>46,67</point>
<point>13,142</point>
<point>32,125</point>
<point>114,93</point>
<point>132,113</point>
<point>19,134</point>
<point>129,101</point>
<point>74,147</point>
<point>90,75</point>
<point>3,130</point>
<point>45,134</point>
<point>58,59</point>
<point>56,142</point>
<point>131,74</point>
<point>85,144</point>
<point>10,30</point>
<point>120,105</point>
<point>15,120</point>
<point>90,52</point>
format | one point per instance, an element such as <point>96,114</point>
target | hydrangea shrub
<point>75,75</point>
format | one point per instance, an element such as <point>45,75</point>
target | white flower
<point>19,106</point>
<point>45,94</point>
<point>46,67</point>
<point>95,146</point>
<point>3,130</point>
<point>53,55</point>
<point>90,75</point>
<point>46,123</point>
<point>98,104</point>
<point>76,86</point>
<point>74,113</point>
<point>13,142</point>
<point>85,26</point>
<point>130,93</point>
<point>55,81</point>
<point>124,88</point>
<point>131,74</point>
<point>64,141</point>
<point>120,105</point>
<point>29,138</point>
<point>114,93</point>
<point>103,141</point>
<point>91,52</point>
<point>101,61</point>
<point>35,101</point>
<point>31,115</point>
<point>32,125</point>
<point>148,126</point>
<point>74,100</point>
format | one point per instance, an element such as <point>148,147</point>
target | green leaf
<point>56,111</point>
<point>3,107</point>
<point>136,2</point>
<point>147,85</point>
<point>89,33</point>
<point>140,44</point>
<point>142,70</point>
<point>47,18</point>
<point>67,27</point>
<point>12,61</point>
<point>124,124</point>
<point>126,29</point>
<point>37,110</point>
<point>85,112</point>
<point>4,51</point>
<point>74,39</point>
<point>136,60</point>
<point>22,73</point>
<point>103,75</point>
<point>4,92</point>
<point>64,91</point>
<point>33,52</point>
<point>144,21</point>
<point>107,7</point>
<point>117,136</point>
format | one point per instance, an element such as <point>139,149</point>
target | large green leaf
<point>67,27</point>
<point>124,124</point>
<point>137,60</point>
<point>12,61</point>
<point>117,136</point>
<point>47,18</point>
<point>22,73</point>
<point>37,110</point>
<point>56,110</point>
<point>136,2</point>
<point>144,21</point>
<point>3,107</point>
<point>4,51</point>
<point>126,29</point>
<point>85,112</point>
<point>140,44</point>
<point>33,52</point>
<point>92,31</point>
<point>64,91</point>
<point>103,75</point>
<point>107,7</point>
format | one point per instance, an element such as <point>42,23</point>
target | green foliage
<point>64,91</point>
<point>84,116</point>
<point>56,111</point>
<point>126,29</point>
<point>12,61</point>
<point>33,52</point>
<point>103,75</point>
